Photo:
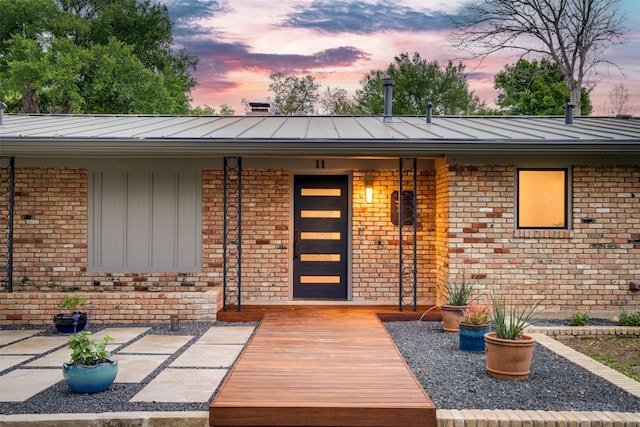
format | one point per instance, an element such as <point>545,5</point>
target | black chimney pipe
<point>429,106</point>
<point>568,113</point>
<point>388,98</point>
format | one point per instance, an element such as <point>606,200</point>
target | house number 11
<point>319,164</point>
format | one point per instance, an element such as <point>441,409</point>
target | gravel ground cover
<point>59,399</point>
<point>458,380</point>
<point>453,379</point>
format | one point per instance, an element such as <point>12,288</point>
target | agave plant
<point>510,320</point>
<point>457,292</point>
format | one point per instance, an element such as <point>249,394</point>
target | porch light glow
<point>368,192</point>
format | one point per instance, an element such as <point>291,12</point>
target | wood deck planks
<point>323,367</point>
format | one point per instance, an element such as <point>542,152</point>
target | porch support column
<point>7,176</point>
<point>232,233</point>
<point>408,229</point>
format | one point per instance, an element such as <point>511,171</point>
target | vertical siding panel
<point>164,219</point>
<point>188,220</point>
<point>111,218</point>
<point>138,219</point>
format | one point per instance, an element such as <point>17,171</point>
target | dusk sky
<point>240,42</point>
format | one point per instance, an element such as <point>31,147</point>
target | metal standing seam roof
<point>22,133</point>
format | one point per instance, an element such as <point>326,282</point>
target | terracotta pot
<point>509,359</point>
<point>451,316</point>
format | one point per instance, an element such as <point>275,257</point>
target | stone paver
<point>57,358</point>
<point>157,344</point>
<point>7,362</point>
<point>227,335</point>
<point>12,335</point>
<point>208,356</point>
<point>181,385</point>
<point>121,335</point>
<point>35,345</point>
<point>133,368</point>
<point>21,384</point>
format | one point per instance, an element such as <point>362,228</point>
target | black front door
<point>321,209</point>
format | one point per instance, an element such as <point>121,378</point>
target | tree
<point>535,88</point>
<point>619,98</point>
<point>206,110</point>
<point>336,102</point>
<point>294,95</point>
<point>416,83</point>
<point>85,56</point>
<point>572,33</point>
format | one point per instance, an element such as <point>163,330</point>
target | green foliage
<point>87,351</point>
<point>457,292</point>
<point>416,83</point>
<point>535,88</point>
<point>630,319</point>
<point>336,102</point>
<point>294,95</point>
<point>72,302</point>
<point>91,56</point>
<point>509,320</point>
<point>579,318</point>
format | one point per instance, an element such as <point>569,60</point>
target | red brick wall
<point>376,238</point>
<point>587,268</point>
<point>37,308</point>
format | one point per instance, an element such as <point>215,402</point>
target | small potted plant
<point>509,351</point>
<point>473,326</point>
<point>74,319</point>
<point>457,295</point>
<point>91,368</point>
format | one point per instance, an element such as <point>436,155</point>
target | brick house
<point>213,212</point>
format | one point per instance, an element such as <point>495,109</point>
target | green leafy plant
<point>579,318</point>
<point>476,314</point>
<point>72,302</point>
<point>510,320</point>
<point>457,292</point>
<point>24,280</point>
<point>630,319</point>
<point>52,284</point>
<point>87,351</point>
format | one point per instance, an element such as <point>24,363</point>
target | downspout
<point>2,107</point>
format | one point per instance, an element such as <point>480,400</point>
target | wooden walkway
<point>321,367</point>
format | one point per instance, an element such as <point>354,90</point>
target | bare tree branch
<point>572,33</point>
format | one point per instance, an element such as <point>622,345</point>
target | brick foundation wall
<point>586,268</point>
<point>38,308</point>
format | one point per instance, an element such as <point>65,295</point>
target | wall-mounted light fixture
<point>368,191</point>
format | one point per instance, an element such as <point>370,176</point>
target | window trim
<point>567,195</point>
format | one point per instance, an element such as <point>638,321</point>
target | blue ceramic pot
<point>472,337</point>
<point>70,323</point>
<point>90,379</point>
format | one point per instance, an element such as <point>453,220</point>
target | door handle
<point>296,245</point>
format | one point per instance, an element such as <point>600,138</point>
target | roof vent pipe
<point>2,107</point>
<point>388,98</point>
<point>568,113</point>
<point>429,106</point>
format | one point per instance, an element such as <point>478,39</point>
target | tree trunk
<point>30,101</point>
<point>575,90</point>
